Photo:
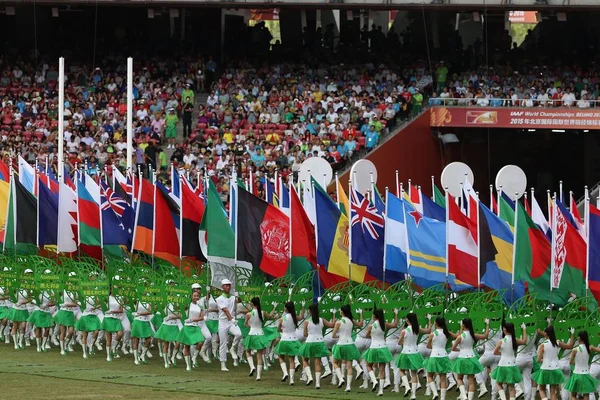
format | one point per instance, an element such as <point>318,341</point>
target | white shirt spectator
<point>188,159</point>
<point>583,103</point>
<point>568,99</point>
<point>142,114</point>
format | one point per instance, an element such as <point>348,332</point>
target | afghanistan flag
<point>532,258</point>
<point>21,226</point>
<point>263,233</point>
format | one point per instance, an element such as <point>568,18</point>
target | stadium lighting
<point>586,130</point>
<point>530,130</point>
<point>448,138</point>
<point>558,130</point>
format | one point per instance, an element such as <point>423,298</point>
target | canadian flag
<point>462,244</point>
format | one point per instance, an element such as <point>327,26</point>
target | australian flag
<point>118,218</point>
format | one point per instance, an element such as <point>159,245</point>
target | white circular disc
<point>318,168</point>
<point>512,181</point>
<point>360,175</point>
<point>453,176</point>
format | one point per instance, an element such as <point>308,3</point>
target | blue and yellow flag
<point>333,239</point>
<point>272,197</point>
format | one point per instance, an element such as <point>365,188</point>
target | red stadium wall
<point>414,152</point>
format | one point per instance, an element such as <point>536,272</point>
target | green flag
<point>219,234</point>
<point>507,213</point>
<point>438,197</point>
<point>532,259</point>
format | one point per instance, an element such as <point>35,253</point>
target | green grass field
<point>26,374</point>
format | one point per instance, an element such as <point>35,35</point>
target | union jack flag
<point>365,214</point>
<point>110,199</point>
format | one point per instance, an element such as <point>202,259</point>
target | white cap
<point>117,278</point>
<point>225,282</point>
<point>28,271</point>
<point>195,286</point>
<point>72,273</point>
<point>47,271</point>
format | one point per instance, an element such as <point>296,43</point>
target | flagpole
<point>587,242</point>
<point>290,186</point>
<point>397,185</point>
<point>337,190</point>
<point>231,189</point>
<point>137,208</point>
<point>498,202</point>
<point>316,230</point>
<point>129,113</point>
<point>553,249</point>
<point>10,189</point>
<point>447,231</point>
<point>432,188</point>
<point>101,229</point>
<point>350,188</point>
<point>154,220</point>
<point>372,187</point>
<point>78,220</point>
<point>385,232</point>
<point>37,212</point>
<point>180,221</point>
<point>61,118</point>
<point>235,259</point>
<point>514,255</point>
<point>560,188</point>
<point>492,198</point>
<point>14,198</point>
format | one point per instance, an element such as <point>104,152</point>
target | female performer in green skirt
<point>467,363</point>
<point>314,347</point>
<point>4,311</point>
<point>112,325</point>
<point>141,329</point>
<point>378,352</point>
<point>89,323</point>
<point>41,319</point>
<point>438,362</point>
<point>581,382</point>
<point>507,372</point>
<point>256,339</point>
<point>168,333</point>
<point>65,319</point>
<point>550,372</point>
<point>345,350</point>
<point>410,359</point>
<point>191,334</point>
<point>289,345</point>
<point>19,316</point>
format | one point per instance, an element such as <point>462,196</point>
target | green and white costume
<point>550,372</point>
<point>581,381</point>
<point>467,363</point>
<point>142,327</point>
<point>5,306</point>
<point>345,349</point>
<point>19,311</point>
<point>112,318</point>
<point>66,315</point>
<point>378,351</point>
<point>410,359</point>
<point>91,319</point>
<point>191,333</point>
<point>289,345</point>
<point>438,361</point>
<point>507,371</point>
<point>169,330</point>
<point>256,339</point>
<point>314,347</point>
<point>41,317</point>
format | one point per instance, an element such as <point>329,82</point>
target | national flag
<point>67,219</point>
<point>378,201</point>
<point>396,239</point>
<point>48,182</point>
<point>67,178</point>
<point>116,237</point>
<point>431,209</point>
<point>263,235</point>
<point>4,172</point>
<point>332,238</point>
<point>367,241</point>
<point>342,199</point>
<point>539,219</point>
<point>89,217</point>
<point>526,204</point>
<point>48,216</point>
<point>496,245</point>
<point>303,241</point>
<point>493,202</point>
<point>438,197</point>
<point>144,217</point>
<point>470,205</point>
<point>27,176</point>
<point>166,221</point>
<point>284,198</point>
<point>414,196</point>
<point>175,184</point>
<point>506,210</point>
<point>593,229</point>
<point>113,200</point>
<point>462,245</point>
<point>271,196</point>
<point>121,185</point>
<point>575,214</point>
<point>192,210</point>
<point>4,197</point>
<point>308,200</point>
<point>21,225</point>
<point>568,254</point>
<point>532,258</point>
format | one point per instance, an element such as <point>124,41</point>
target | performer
<point>507,373</point>
<point>168,333</point>
<point>90,323</point>
<point>226,304</point>
<point>581,382</point>
<point>489,361</point>
<point>191,334</point>
<point>314,347</point>
<point>211,319</point>
<point>467,364</point>
<point>438,362</point>
<point>378,352</point>
<point>410,359</point>
<point>256,339</point>
<point>141,329</point>
<point>41,320</point>
<point>550,372</point>
<point>65,319</point>
<point>112,324</point>
<point>19,315</point>
<point>5,312</point>
<point>345,350</point>
<point>289,345</point>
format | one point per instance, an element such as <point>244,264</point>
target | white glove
<point>549,320</point>
<point>523,326</point>
<point>208,289</point>
<point>395,311</point>
<point>487,321</point>
<point>428,317</point>
<point>318,299</point>
<point>303,303</point>
<point>571,330</point>
<point>234,294</point>
<point>275,304</point>
<point>359,311</point>
<point>235,322</point>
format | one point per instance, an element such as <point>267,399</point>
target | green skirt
<point>129,316</point>
<point>88,323</point>
<point>40,319</point>
<point>548,377</point>
<point>112,325</point>
<point>536,365</point>
<point>19,315</point>
<point>167,333</point>
<point>212,325</point>
<point>313,350</point>
<point>345,352</point>
<point>141,329</point>
<point>438,365</point>
<point>256,342</point>
<point>510,375</point>
<point>4,313</point>
<point>65,318</point>
<point>157,321</point>
<point>271,333</point>
<point>467,366</point>
<point>581,383</point>
<point>190,335</point>
<point>410,362</point>
<point>243,328</point>
<point>288,348</point>
<point>378,355</point>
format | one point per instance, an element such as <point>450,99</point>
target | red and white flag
<point>463,253</point>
